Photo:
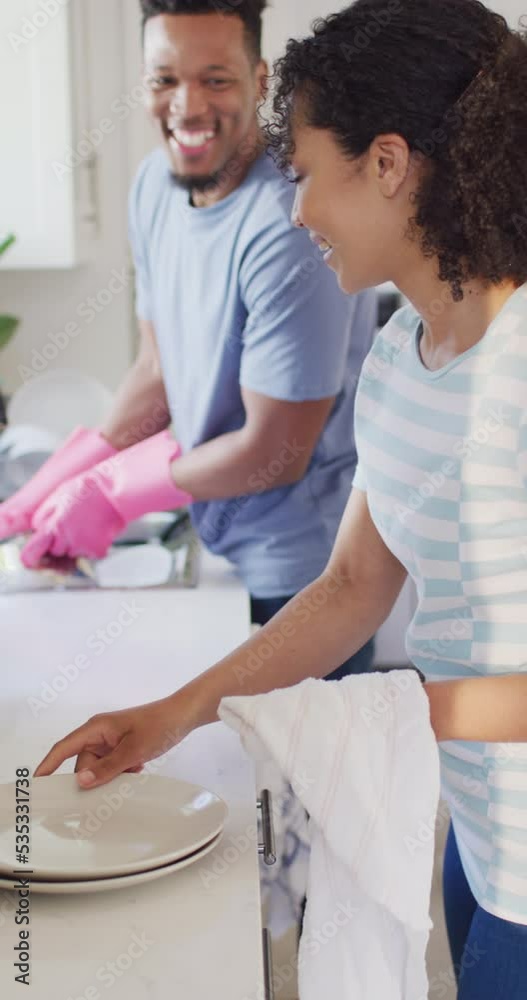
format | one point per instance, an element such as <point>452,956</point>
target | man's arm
<point>141,407</point>
<point>272,449</point>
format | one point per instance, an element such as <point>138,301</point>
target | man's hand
<point>76,520</point>
<point>84,516</point>
<point>82,450</point>
<point>109,745</point>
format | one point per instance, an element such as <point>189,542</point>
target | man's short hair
<point>248,11</point>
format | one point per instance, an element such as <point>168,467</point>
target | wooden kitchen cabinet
<point>46,199</point>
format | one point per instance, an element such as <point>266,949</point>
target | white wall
<point>513,10</point>
<point>293,19</point>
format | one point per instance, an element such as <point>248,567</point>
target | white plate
<point>20,441</point>
<point>133,823</point>
<point>135,567</point>
<point>119,882</point>
<point>59,401</point>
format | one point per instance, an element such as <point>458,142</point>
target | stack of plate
<point>135,829</point>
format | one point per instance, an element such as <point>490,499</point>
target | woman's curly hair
<point>450,77</point>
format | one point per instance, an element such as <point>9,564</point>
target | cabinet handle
<point>267,849</point>
<point>91,208</point>
<point>268,965</point>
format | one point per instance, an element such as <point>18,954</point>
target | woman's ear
<point>390,156</point>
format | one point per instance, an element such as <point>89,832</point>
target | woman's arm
<point>320,629</point>
<point>312,636</point>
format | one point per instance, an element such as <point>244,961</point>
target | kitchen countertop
<point>66,657</point>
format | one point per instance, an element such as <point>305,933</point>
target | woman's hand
<point>108,745</point>
<point>356,593</point>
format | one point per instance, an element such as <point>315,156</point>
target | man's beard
<point>199,184</point>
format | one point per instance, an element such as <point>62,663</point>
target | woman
<point>406,126</point>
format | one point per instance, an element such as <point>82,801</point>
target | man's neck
<point>233,173</point>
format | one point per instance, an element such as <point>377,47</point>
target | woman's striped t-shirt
<point>443,460</point>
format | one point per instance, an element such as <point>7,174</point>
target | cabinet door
<point>39,194</point>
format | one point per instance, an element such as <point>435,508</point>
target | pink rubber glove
<point>82,450</point>
<point>85,515</point>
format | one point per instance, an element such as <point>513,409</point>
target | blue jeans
<point>265,608</point>
<point>489,954</point>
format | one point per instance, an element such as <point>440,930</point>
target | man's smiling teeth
<point>192,139</point>
<point>325,246</point>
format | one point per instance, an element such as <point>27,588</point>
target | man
<point>247,344</point>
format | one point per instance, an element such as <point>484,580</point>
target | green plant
<point>8,324</point>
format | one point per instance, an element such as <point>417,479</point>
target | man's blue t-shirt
<point>239,297</point>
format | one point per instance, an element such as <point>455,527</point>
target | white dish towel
<point>362,757</point>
